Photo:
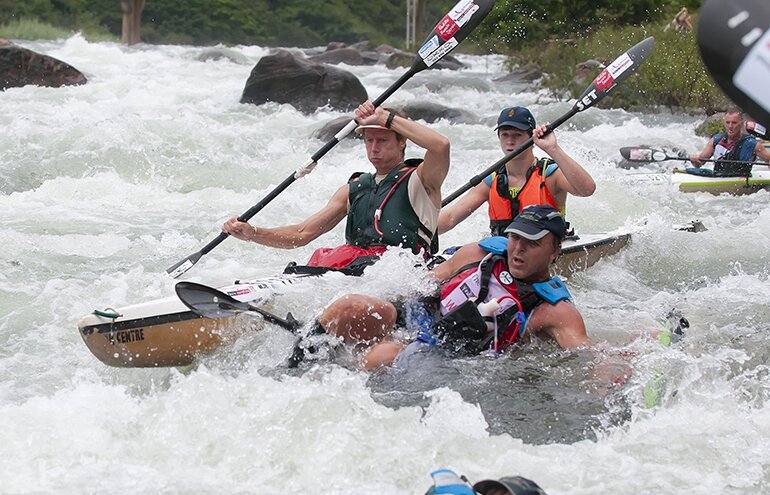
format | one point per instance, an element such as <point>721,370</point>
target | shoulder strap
<point>486,267</point>
<point>552,290</point>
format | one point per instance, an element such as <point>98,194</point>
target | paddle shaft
<point>632,155</point>
<point>713,160</point>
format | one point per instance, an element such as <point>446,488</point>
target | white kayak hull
<point>164,332</point>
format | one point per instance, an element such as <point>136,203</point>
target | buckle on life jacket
<point>552,291</point>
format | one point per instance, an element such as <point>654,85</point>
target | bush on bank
<point>673,76</point>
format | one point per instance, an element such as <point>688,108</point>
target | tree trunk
<point>132,21</point>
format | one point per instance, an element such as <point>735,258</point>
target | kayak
<point>165,332</point>
<point>759,179</point>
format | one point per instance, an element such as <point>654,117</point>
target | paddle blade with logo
<point>615,73</point>
<point>610,77</point>
<point>645,155</point>
<point>451,30</point>
<point>734,42</point>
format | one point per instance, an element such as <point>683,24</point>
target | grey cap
<point>535,221</point>
<point>516,485</point>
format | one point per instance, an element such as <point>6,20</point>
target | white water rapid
<point>105,185</point>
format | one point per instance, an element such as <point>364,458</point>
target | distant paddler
<point>396,205</point>
<point>727,147</point>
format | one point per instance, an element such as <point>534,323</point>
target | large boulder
<point>417,110</point>
<point>345,55</point>
<point>524,74</point>
<point>399,58</point>
<point>284,78</point>
<point>221,53</point>
<point>432,112</point>
<point>330,129</point>
<point>20,67</point>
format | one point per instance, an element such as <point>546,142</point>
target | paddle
<point>758,130</point>
<point>734,42</point>
<point>649,155</point>
<point>450,31</point>
<point>212,303</point>
<point>602,85</point>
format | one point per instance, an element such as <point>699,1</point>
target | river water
<point>104,186</point>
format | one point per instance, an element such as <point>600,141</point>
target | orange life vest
<point>503,206</point>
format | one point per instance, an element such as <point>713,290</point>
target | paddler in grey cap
<point>487,301</point>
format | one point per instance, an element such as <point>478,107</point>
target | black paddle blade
<point>642,154</point>
<point>207,301</point>
<point>211,303</point>
<point>450,31</point>
<point>615,73</point>
<point>734,42</point>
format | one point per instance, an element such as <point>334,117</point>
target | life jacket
<point>489,288</point>
<point>504,206</point>
<point>737,151</point>
<point>381,213</point>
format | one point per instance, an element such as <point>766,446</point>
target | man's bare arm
<point>292,236</point>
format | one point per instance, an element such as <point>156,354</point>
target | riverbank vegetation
<point>556,36</point>
<point>673,76</point>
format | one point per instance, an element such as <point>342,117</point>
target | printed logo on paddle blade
<point>587,100</point>
<point>429,47</point>
<point>604,81</point>
<point>463,11</point>
<point>446,28</point>
<point>638,154</point>
<point>620,65</point>
<point>439,53</point>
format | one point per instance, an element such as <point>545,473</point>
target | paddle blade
<point>642,154</point>
<point>451,30</point>
<point>208,302</point>
<point>734,42</point>
<point>615,73</point>
<point>758,130</point>
<point>212,303</point>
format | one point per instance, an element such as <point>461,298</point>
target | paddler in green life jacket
<point>397,205</point>
<point>487,301</point>
<point>734,144</point>
<point>527,180</point>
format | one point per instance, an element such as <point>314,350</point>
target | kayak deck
<point>164,332</point>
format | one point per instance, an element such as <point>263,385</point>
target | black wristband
<point>389,121</point>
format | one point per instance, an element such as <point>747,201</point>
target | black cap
<point>535,221</point>
<point>516,485</point>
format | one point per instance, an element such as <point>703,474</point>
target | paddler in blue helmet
<point>487,300</point>
<point>395,205</point>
